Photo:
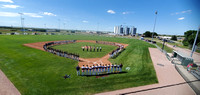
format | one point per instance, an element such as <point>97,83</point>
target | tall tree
<point>189,37</point>
<point>174,38</point>
<point>147,34</point>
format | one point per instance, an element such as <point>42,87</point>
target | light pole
<point>59,24</point>
<point>193,48</point>
<point>154,24</point>
<point>64,25</point>
<point>22,21</point>
<point>97,27</point>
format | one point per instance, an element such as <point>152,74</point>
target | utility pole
<point>193,48</point>
<point>154,24</point>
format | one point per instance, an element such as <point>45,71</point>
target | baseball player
<point>90,68</point>
<point>83,70</point>
<point>121,67</point>
<point>108,68</point>
<point>100,49</point>
<point>77,69</point>
<point>115,66</point>
<point>87,68</point>
<point>97,69</point>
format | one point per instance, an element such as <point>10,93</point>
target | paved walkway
<point>167,76</point>
<point>6,86</point>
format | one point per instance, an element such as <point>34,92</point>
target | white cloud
<point>33,15</point>
<point>10,6</point>
<point>181,18</point>
<point>9,14</point>
<point>125,13</point>
<point>85,21</point>
<point>111,11</point>
<point>182,12</point>
<point>12,14</point>
<point>9,1</point>
<point>49,14</point>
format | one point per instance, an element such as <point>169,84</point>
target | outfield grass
<point>76,48</point>
<point>36,72</point>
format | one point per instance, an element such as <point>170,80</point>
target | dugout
<point>184,59</point>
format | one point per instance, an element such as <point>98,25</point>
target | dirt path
<point>83,61</point>
<point>6,86</point>
<point>166,74</point>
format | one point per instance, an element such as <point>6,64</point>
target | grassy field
<point>166,48</point>
<point>36,72</point>
<point>76,48</point>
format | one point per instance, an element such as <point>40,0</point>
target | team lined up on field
<point>99,69</point>
<point>90,48</point>
<point>47,47</point>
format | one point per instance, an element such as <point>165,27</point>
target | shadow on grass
<point>105,74</point>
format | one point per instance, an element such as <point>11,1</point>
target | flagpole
<point>154,24</point>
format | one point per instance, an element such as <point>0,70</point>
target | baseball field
<point>36,72</point>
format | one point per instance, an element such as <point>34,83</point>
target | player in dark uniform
<point>121,67</point>
<point>77,69</point>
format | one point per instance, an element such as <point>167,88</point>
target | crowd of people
<point>47,47</point>
<point>91,48</point>
<point>99,69</point>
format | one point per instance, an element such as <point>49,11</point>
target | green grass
<point>166,48</point>
<point>36,72</point>
<point>76,48</point>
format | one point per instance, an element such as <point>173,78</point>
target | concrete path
<point>6,86</point>
<point>170,81</point>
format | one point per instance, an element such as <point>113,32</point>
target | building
<point>125,30</point>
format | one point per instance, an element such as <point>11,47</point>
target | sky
<point>174,17</point>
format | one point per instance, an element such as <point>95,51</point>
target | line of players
<point>115,52</point>
<point>90,48</point>
<point>60,52</point>
<point>106,43</point>
<point>99,69</point>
